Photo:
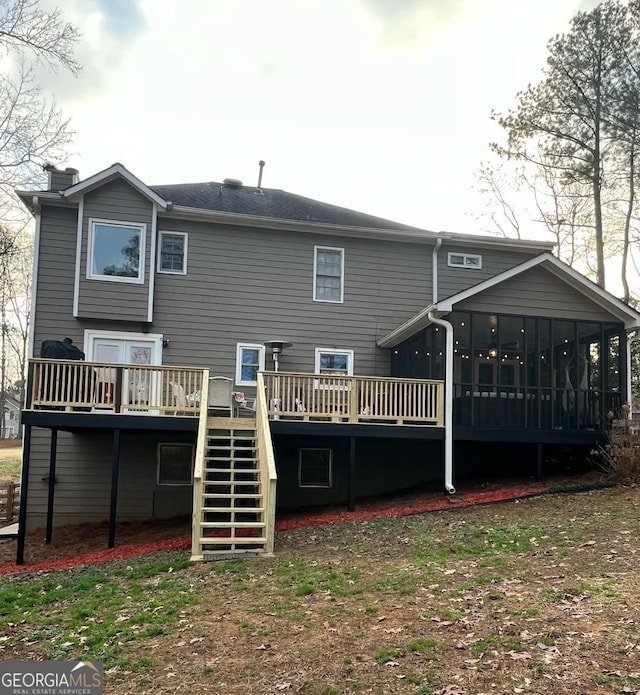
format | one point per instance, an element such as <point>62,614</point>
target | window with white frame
<point>328,274</point>
<point>315,468</point>
<point>175,464</point>
<point>116,251</point>
<point>249,361</point>
<point>465,260</point>
<point>172,253</point>
<point>334,362</point>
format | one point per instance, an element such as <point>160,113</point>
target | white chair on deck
<point>178,397</point>
<point>220,394</point>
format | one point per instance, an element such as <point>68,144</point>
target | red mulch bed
<point>84,544</point>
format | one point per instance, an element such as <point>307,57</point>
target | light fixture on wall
<point>276,347</point>
<point>165,342</point>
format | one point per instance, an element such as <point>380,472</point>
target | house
<point>364,356</point>
<point>11,417</point>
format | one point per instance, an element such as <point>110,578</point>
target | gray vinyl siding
<point>452,280</point>
<point>98,299</point>
<point>536,292</point>
<point>54,294</point>
<point>251,285</point>
<point>83,479</point>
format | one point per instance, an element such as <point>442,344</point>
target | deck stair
<point>232,517</point>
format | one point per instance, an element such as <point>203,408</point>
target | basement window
<point>315,468</point>
<point>175,464</point>
<point>465,260</point>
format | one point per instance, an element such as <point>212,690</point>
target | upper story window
<point>172,253</point>
<point>249,361</point>
<point>328,274</point>
<point>334,362</point>
<point>465,260</point>
<point>116,251</point>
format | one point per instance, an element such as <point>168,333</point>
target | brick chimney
<point>58,179</point>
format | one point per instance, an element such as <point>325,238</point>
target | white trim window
<point>175,464</point>
<point>172,253</point>
<point>333,362</point>
<point>249,361</point>
<point>328,274</point>
<point>315,468</point>
<point>464,260</point>
<point>115,251</point>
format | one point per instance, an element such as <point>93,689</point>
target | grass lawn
<point>538,596</point>
<point>10,458</point>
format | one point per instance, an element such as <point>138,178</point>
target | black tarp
<point>60,350</point>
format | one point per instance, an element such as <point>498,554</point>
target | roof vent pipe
<point>261,164</point>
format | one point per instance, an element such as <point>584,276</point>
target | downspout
<point>448,402</point>
<point>448,374</point>
<point>434,271</point>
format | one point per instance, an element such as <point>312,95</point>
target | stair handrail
<point>267,462</point>
<point>201,450</point>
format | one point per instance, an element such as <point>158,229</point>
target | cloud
<point>121,18</point>
<point>109,28</point>
<point>413,20</point>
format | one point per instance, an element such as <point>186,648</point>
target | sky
<point>382,106</point>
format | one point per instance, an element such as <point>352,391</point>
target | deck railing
<point>120,388</point>
<point>97,387</point>
<point>354,399</point>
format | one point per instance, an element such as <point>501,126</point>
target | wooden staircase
<point>232,516</point>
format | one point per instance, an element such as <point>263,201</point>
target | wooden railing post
<point>117,399</point>
<point>353,400</point>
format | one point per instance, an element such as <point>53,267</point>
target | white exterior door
<point>140,387</point>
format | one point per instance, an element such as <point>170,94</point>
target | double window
<point>116,251</point>
<point>465,260</point>
<point>249,361</point>
<point>328,274</point>
<point>172,253</point>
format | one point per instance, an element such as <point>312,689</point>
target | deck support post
<point>539,461</point>
<point>24,485</point>
<point>115,469</point>
<point>351,484</point>
<point>52,483</point>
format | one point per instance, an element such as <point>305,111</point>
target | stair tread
<point>226,540</point>
<point>232,524</point>
<point>236,495</point>
<point>234,510</point>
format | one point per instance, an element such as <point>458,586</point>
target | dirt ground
<point>74,540</point>
<point>537,596</point>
